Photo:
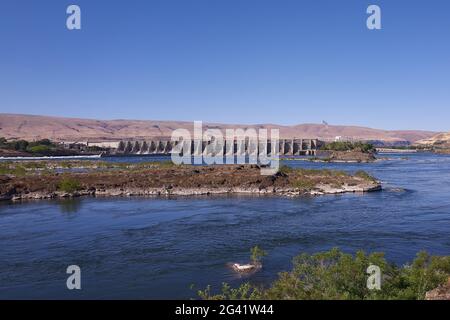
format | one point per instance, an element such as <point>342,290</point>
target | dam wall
<point>288,147</point>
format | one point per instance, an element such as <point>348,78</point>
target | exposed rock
<point>440,293</point>
<point>245,269</point>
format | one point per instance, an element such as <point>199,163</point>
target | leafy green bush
<point>69,185</point>
<point>337,275</point>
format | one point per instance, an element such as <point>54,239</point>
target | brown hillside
<point>31,127</point>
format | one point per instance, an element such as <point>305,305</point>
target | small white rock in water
<point>246,268</point>
<point>243,267</point>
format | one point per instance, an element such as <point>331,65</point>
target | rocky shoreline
<point>162,179</point>
<point>120,192</point>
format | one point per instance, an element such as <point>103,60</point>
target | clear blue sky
<point>234,61</point>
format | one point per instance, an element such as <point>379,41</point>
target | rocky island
<point>46,179</point>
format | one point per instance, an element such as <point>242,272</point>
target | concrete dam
<point>290,147</point>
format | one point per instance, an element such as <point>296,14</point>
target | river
<point>154,248</point>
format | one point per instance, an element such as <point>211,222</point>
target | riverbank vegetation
<point>349,146</point>
<point>43,147</point>
<point>335,275</point>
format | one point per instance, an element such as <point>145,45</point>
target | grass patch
<point>284,169</point>
<point>69,185</point>
<point>304,184</point>
<point>340,173</point>
<point>160,164</point>
<point>11,169</point>
<point>321,172</point>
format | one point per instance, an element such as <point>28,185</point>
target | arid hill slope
<point>441,139</point>
<point>31,127</point>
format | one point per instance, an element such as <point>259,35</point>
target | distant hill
<point>439,140</point>
<point>32,127</point>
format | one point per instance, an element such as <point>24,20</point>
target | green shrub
<point>69,185</point>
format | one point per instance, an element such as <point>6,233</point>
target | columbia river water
<point>157,248</point>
